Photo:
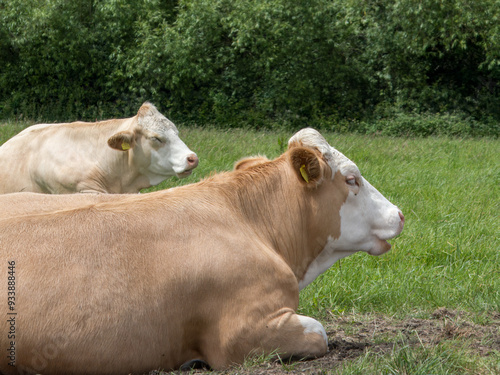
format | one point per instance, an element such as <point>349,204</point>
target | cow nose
<point>192,161</point>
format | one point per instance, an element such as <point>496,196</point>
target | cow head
<point>367,218</point>
<point>156,146</point>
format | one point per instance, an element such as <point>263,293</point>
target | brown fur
<point>305,158</point>
<point>246,163</point>
<point>141,282</point>
<point>20,204</point>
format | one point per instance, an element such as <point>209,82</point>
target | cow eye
<point>351,180</point>
<point>156,139</point>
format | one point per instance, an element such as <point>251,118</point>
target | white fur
<point>169,155</point>
<point>335,159</point>
<point>366,219</point>
<point>312,138</point>
<point>172,155</point>
<point>323,261</point>
<point>313,326</point>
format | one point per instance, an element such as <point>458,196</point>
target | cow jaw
<point>328,256</point>
<point>367,221</point>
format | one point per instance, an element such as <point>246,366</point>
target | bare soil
<point>351,336</point>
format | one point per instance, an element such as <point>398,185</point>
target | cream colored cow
<point>208,271</point>
<point>115,156</point>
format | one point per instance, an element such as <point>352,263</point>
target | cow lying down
<point>209,271</point>
<point>114,156</point>
<point>19,204</point>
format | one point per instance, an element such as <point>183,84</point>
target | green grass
<point>447,255</point>
<point>10,129</point>
<point>421,360</point>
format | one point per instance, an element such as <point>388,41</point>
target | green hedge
<point>342,64</point>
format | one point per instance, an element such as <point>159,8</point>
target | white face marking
<point>311,138</point>
<point>169,155</point>
<point>322,262</point>
<point>367,218</point>
<point>366,221</point>
<point>313,326</point>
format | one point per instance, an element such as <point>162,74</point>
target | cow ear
<point>250,162</point>
<point>306,165</point>
<point>122,141</point>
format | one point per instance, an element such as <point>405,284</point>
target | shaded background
<point>400,67</point>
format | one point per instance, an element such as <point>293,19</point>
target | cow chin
<point>381,247</point>
<point>184,174</point>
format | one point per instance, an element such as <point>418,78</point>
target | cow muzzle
<point>191,163</point>
<point>381,245</point>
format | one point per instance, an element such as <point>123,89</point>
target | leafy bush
<point>334,64</point>
<point>427,124</point>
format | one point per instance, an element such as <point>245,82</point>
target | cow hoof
<point>195,364</point>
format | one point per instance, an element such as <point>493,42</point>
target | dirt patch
<point>351,336</point>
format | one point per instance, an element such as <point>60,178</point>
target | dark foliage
<point>397,67</point>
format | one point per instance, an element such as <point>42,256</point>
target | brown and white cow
<point>207,271</point>
<point>114,156</point>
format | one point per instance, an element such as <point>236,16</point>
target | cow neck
<point>111,173</point>
<point>111,170</point>
<point>293,219</point>
<point>132,177</point>
<point>124,173</point>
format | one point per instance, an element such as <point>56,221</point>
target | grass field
<point>430,305</point>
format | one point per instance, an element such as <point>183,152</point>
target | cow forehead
<point>150,119</point>
<point>336,160</point>
<point>309,137</point>
<point>343,164</point>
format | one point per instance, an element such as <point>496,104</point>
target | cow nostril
<point>402,217</point>
<point>192,160</point>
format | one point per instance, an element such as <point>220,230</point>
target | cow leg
<point>293,335</point>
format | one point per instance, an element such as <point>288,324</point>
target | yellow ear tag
<point>304,173</point>
<point>125,146</point>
